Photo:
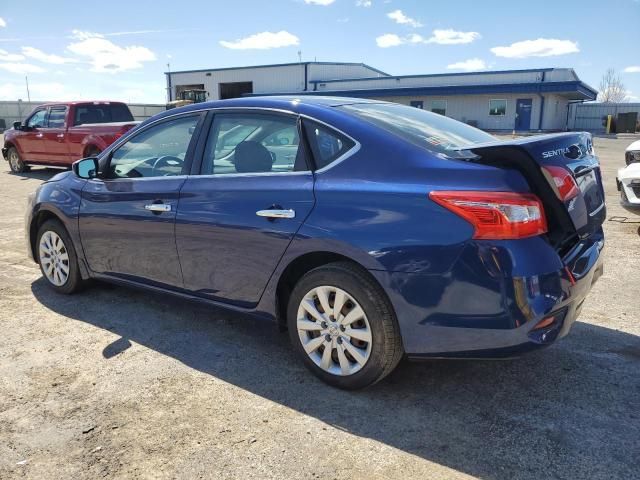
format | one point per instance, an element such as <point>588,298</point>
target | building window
<point>417,104</point>
<point>498,107</point>
<point>439,106</point>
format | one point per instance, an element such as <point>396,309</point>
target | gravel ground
<point>124,384</point>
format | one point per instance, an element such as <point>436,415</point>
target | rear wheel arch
<point>91,150</point>
<point>300,266</point>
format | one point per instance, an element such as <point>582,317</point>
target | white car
<point>628,179</point>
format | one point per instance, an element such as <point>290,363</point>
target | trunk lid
<point>540,159</point>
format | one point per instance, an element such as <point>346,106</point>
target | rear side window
<point>102,113</point>
<point>56,117</point>
<point>326,144</point>
<point>428,130</point>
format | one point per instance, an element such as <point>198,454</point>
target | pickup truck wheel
<point>92,152</point>
<point>15,162</point>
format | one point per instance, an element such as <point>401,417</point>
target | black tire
<point>92,152</point>
<point>15,161</point>
<point>386,344</point>
<point>74,281</point>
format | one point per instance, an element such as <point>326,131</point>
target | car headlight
<point>632,157</point>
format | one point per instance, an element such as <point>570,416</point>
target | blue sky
<point>119,50</point>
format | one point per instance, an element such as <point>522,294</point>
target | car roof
<point>284,102</point>
<point>80,102</point>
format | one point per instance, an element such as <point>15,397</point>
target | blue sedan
<point>369,230</point>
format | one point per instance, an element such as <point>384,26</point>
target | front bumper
<point>628,182</point>
<point>492,303</point>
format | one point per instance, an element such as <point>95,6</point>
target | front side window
<point>439,107</point>
<point>497,107</point>
<point>56,117</point>
<point>38,119</point>
<point>155,152</point>
<point>253,143</point>
<point>428,130</point>
<point>101,113</point>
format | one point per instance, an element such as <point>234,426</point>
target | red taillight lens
<point>496,215</point>
<point>566,186</point>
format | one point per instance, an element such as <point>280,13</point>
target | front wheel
<point>343,326</point>
<point>15,162</point>
<point>57,258</point>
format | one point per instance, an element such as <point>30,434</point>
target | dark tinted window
<point>102,113</point>
<point>56,117</point>
<point>327,144</point>
<point>429,130</point>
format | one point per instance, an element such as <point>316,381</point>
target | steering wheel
<point>166,161</point>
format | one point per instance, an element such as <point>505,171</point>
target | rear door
<point>237,216</point>
<point>127,218</point>
<point>55,145</point>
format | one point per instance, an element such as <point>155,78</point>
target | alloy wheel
<point>14,161</point>
<point>334,330</point>
<point>54,258</point>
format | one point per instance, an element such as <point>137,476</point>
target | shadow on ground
<point>37,173</point>
<point>570,411</point>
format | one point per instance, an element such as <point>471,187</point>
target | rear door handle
<point>158,207</point>
<point>275,213</point>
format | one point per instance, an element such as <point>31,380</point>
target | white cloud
<point>402,19</point>
<point>21,68</point>
<point>2,22</point>
<point>363,3</point>
<point>389,40</point>
<point>632,69</point>
<point>83,35</point>
<point>44,57</point>
<point>106,56</point>
<point>442,37</point>
<point>452,37</point>
<point>10,57</point>
<point>324,3</point>
<point>542,47</point>
<point>473,64</point>
<point>263,41</point>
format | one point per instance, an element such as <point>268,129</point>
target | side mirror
<point>17,125</point>
<point>86,168</point>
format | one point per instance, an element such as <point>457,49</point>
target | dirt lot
<point>123,384</point>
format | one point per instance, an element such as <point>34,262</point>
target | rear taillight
<point>566,186</point>
<point>496,215</point>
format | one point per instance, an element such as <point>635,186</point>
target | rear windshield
<point>432,131</point>
<point>102,113</point>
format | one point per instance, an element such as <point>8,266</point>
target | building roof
<point>356,64</point>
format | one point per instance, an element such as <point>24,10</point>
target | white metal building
<point>536,99</point>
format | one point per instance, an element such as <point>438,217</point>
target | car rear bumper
<point>494,303</point>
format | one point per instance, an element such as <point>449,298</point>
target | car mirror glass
<point>86,168</point>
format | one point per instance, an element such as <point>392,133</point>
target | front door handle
<point>158,207</point>
<point>276,213</point>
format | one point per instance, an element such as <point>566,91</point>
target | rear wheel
<point>343,326</point>
<point>57,258</point>
<point>15,162</point>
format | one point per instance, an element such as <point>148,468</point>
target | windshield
<point>432,131</point>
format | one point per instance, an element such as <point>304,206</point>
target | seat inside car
<point>252,157</point>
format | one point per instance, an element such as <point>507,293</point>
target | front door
<point>236,219</point>
<point>32,138</point>
<point>523,114</point>
<point>127,218</point>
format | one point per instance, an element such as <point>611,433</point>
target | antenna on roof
<point>300,56</point>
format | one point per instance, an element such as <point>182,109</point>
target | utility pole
<point>26,80</point>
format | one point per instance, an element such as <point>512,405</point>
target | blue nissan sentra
<point>369,230</point>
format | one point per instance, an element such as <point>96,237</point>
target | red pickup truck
<point>57,134</point>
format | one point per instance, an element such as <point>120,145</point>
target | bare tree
<point>612,90</point>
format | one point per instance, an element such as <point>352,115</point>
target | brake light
<point>496,215</point>
<point>566,186</point>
